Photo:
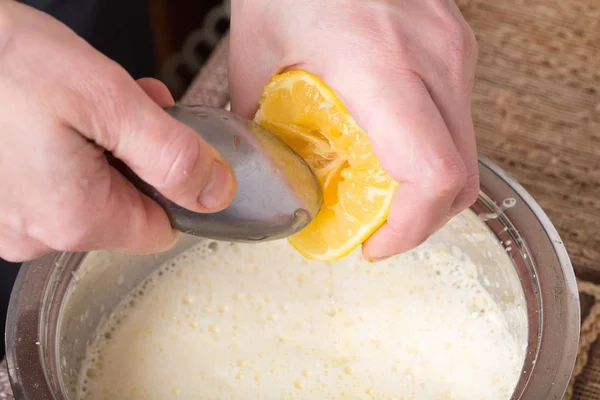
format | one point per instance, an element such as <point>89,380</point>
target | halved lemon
<point>300,109</point>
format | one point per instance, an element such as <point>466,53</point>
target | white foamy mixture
<point>242,322</point>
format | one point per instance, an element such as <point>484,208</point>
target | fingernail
<point>216,195</point>
<point>377,259</point>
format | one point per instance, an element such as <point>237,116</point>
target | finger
<point>451,89</point>
<point>137,224</point>
<point>161,150</point>
<point>250,67</point>
<point>110,214</point>
<point>412,142</point>
<point>157,91</point>
<point>455,109</point>
<point>465,139</point>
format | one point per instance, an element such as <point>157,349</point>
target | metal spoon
<point>278,194</point>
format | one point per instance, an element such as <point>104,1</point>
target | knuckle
<point>110,88</point>
<point>468,195</point>
<point>471,189</point>
<point>448,176</point>
<point>71,238</point>
<point>378,41</point>
<point>15,222</point>
<point>69,230</point>
<point>455,32</point>
<point>454,56</point>
<point>180,157</point>
<point>407,78</point>
<point>458,39</point>
<point>471,41</point>
<point>111,110</point>
<point>403,77</point>
<point>470,45</point>
<point>452,29</point>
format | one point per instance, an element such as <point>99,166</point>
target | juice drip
<point>331,311</point>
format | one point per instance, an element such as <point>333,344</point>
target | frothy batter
<point>240,321</point>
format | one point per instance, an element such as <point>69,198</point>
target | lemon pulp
<point>302,111</point>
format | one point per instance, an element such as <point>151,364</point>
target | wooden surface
<point>537,108</point>
<point>537,112</point>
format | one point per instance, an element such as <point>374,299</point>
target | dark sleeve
<point>119,29</point>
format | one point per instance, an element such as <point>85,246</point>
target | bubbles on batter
<point>232,320</point>
<point>94,368</point>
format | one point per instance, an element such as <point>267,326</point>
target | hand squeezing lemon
<point>302,111</point>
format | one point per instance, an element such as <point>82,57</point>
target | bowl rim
<point>558,297</point>
<point>25,354</point>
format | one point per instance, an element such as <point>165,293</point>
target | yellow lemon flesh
<point>302,111</point>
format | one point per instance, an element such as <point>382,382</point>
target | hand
<point>63,104</point>
<point>405,71</point>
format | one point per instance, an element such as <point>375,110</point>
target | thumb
<point>166,153</point>
<point>157,91</point>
